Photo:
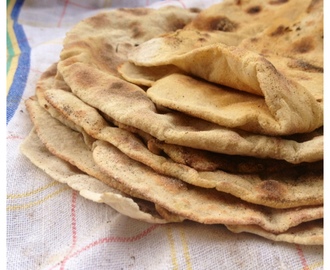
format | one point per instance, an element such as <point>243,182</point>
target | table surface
<point>50,226</point>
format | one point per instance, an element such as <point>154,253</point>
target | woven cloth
<point>50,226</point>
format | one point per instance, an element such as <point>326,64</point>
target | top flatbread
<point>288,79</point>
<point>246,17</point>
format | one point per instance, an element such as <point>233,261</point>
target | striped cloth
<point>49,226</point>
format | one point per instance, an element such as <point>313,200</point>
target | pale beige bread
<point>93,189</point>
<point>87,186</point>
<point>104,40</point>
<point>128,104</point>
<point>218,104</point>
<point>289,83</point>
<point>202,160</point>
<point>296,187</point>
<point>307,233</point>
<point>167,215</point>
<point>286,108</point>
<point>194,203</point>
<point>299,48</point>
<point>89,120</point>
<point>253,161</point>
<point>229,23</point>
<point>67,144</point>
<point>145,76</point>
<point>180,40</point>
<point>284,125</point>
<point>246,17</point>
<point>47,81</point>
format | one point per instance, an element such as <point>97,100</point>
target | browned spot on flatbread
<point>117,85</point>
<point>313,5</point>
<point>224,24</point>
<point>280,30</point>
<point>254,10</point>
<point>201,39</point>
<point>304,66</point>
<point>173,40</point>
<point>195,9</point>
<point>99,21</point>
<point>220,23</point>
<point>67,110</point>
<point>304,45</point>
<point>85,78</point>
<point>277,2</point>
<point>123,89</point>
<point>177,24</point>
<point>136,30</point>
<point>254,39</point>
<point>272,189</point>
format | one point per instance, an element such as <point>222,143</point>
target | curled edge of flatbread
<point>307,233</point>
<point>88,186</point>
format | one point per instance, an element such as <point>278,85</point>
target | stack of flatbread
<point>213,116</point>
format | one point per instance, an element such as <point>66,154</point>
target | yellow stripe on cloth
<point>38,202</point>
<point>185,248</point>
<point>315,265</point>
<point>33,192</point>
<point>170,237</point>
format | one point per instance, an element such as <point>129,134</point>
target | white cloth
<point>50,226</point>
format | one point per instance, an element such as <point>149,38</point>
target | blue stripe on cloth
<point>20,78</point>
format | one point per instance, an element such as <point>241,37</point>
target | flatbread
<point>194,203</point>
<point>145,76</point>
<point>296,187</point>
<point>246,17</point>
<point>105,39</point>
<point>88,186</point>
<point>67,144</point>
<point>183,40</point>
<point>287,107</point>
<point>288,78</point>
<point>308,233</point>
<point>220,130</point>
<point>94,190</point>
<point>128,104</point>
<point>299,49</point>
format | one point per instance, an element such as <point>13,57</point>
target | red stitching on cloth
<point>67,2</point>
<point>63,13</point>
<point>183,4</point>
<point>14,137</point>
<point>74,218</point>
<point>112,239</point>
<point>73,226</point>
<point>302,257</point>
